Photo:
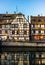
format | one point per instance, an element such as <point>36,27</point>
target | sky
<point>27,7</point>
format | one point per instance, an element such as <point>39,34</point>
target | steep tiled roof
<point>5,17</point>
<point>10,17</point>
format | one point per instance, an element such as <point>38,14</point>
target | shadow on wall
<point>0,42</point>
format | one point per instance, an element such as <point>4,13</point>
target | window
<point>12,26</point>
<point>25,57</point>
<point>34,20</point>
<point>32,26</point>
<point>19,19</point>
<point>43,55</point>
<point>39,31</point>
<point>33,31</point>
<point>37,55</point>
<point>16,25</point>
<point>42,26</point>
<point>36,31</point>
<point>36,26</point>
<point>6,26</point>
<point>6,31</point>
<point>0,31</point>
<point>43,61</point>
<point>39,20</point>
<point>42,31</point>
<point>42,37</point>
<point>17,56</point>
<point>36,37</point>
<point>0,26</point>
<point>25,32</point>
<point>13,31</point>
<point>17,31</point>
<point>24,25</point>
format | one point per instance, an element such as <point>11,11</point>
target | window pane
<point>42,31</point>
<point>13,31</point>
<point>12,26</point>
<point>0,31</point>
<point>36,31</point>
<point>42,26</point>
<point>0,26</point>
<point>19,19</point>
<point>37,26</point>
<point>25,25</point>
<point>25,57</point>
<point>16,25</point>
<point>43,61</point>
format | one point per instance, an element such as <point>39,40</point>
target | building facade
<point>38,28</point>
<point>14,27</point>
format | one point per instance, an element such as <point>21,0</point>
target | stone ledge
<point>22,44</point>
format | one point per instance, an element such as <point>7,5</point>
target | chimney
<point>29,19</point>
<point>6,12</point>
<point>38,15</point>
<point>14,12</point>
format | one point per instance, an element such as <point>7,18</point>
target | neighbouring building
<point>38,28</point>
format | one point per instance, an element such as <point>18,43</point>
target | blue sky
<point>27,7</point>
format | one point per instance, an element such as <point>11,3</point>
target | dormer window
<point>39,20</point>
<point>34,20</point>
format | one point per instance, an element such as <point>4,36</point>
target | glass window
<point>43,55</point>
<point>6,26</point>
<point>36,31</point>
<point>25,32</point>
<point>17,32</point>
<point>38,61</point>
<point>12,25</point>
<point>34,20</point>
<point>0,31</point>
<point>37,55</point>
<point>13,31</point>
<point>42,26</point>
<point>19,19</point>
<point>33,31</point>
<point>0,26</point>
<point>16,25</point>
<point>25,63</point>
<point>39,31</point>
<point>25,57</point>
<point>17,57</point>
<point>42,31</point>
<point>32,26</point>
<point>43,61</point>
<point>24,25</point>
<point>6,31</point>
<point>36,26</point>
<point>39,20</point>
